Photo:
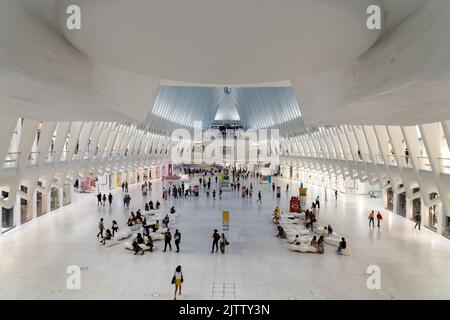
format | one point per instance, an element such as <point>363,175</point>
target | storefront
<point>401,204</point>
<point>389,205</point>
<point>25,210</point>
<point>41,205</point>
<point>145,174</point>
<point>118,181</point>
<point>54,198</point>
<point>67,194</point>
<point>111,181</point>
<point>85,185</point>
<point>416,205</point>
<point>139,176</point>
<point>431,220</point>
<point>7,219</point>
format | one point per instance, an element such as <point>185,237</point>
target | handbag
<point>173,279</point>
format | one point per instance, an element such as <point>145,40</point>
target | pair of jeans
<point>215,245</point>
<point>167,243</point>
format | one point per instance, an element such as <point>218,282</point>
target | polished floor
<point>34,258</point>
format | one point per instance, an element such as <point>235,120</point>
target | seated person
<point>139,239</point>
<point>315,244</point>
<point>325,232</point>
<point>138,217</point>
<point>149,242</point>
<point>151,205</point>
<point>155,226</point>
<point>108,236</point>
<point>137,248</point>
<point>330,230</point>
<point>165,221</point>
<point>147,207</point>
<point>342,246</point>
<point>157,205</point>
<point>297,240</point>
<point>320,242</point>
<point>131,220</point>
<point>172,210</point>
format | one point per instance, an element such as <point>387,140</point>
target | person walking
<point>128,201</point>
<point>114,227</point>
<point>214,194</point>
<point>223,242</point>
<point>216,238</point>
<point>104,199</point>
<point>220,194</point>
<point>177,237</point>
<point>101,227</point>
<point>335,194</point>
<point>273,186</point>
<point>99,199</point>
<point>167,239</point>
<point>372,219</point>
<point>110,198</point>
<point>177,280</point>
<point>418,219</point>
<point>379,218</point>
<point>259,197</point>
<point>317,202</point>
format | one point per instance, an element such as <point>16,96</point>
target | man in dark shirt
<point>167,239</point>
<point>216,238</point>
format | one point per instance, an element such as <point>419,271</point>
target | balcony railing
<point>50,156</point>
<point>391,160</point>
<point>424,163</point>
<point>33,158</point>
<point>11,160</point>
<point>444,165</point>
<point>406,162</point>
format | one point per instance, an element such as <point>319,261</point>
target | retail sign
<point>225,220</point>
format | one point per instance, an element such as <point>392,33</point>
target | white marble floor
<point>34,258</point>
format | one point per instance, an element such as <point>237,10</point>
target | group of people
<point>126,201</point>
<point>151,206</point>
<point>168,240</point>
<point>379,219</point>
<point>101,199</point>
<point>219,241</point>
<point>146,187</point>
<point>124,186</point>
<point>109,233</point>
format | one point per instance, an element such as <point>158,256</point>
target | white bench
<point>303,248</point>
<point>302,239</point>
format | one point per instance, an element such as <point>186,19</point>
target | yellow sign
<point>225,220</point>
<point>302,191</point>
